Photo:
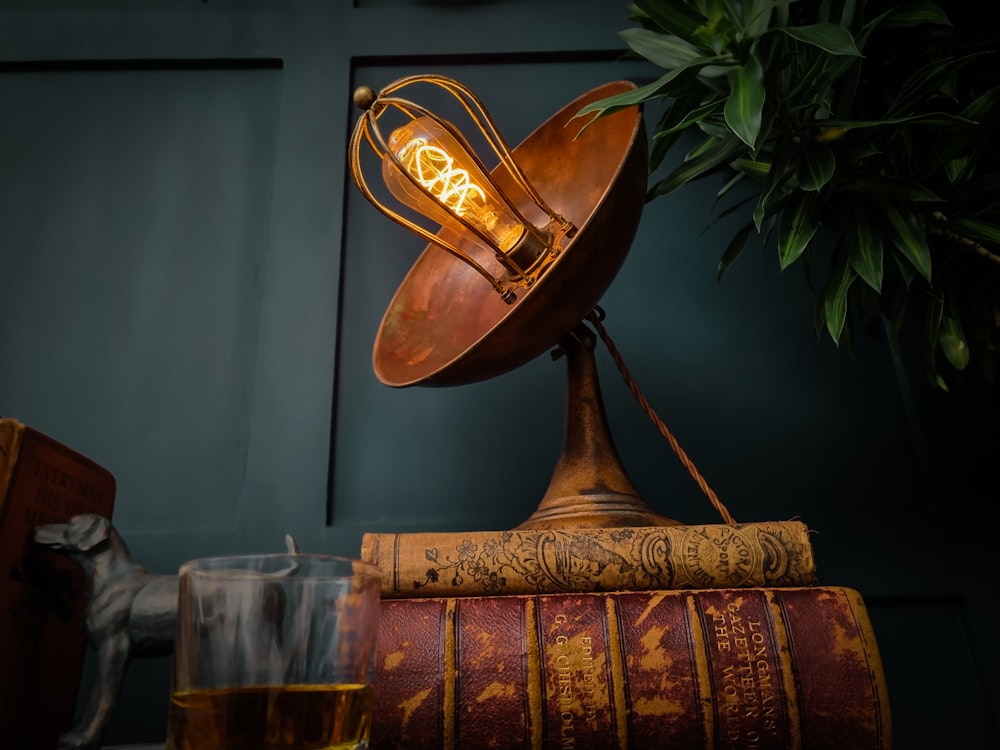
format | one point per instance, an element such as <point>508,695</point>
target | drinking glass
<point>274,652</point>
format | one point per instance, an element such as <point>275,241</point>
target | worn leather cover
<point>545,561</point>
<point>42,638</point>
<point>713,668</point>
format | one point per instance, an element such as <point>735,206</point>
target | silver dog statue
<point>130,612</point>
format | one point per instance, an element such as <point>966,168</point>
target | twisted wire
<point>596,317</point>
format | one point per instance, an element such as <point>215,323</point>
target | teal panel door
<point>192,285</point>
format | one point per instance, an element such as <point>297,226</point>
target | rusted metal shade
<point>445,326</point>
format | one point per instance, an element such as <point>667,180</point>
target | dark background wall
<point>191,287</point>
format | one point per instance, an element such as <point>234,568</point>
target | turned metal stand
<point>589,487</point>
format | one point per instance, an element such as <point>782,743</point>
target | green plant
<point>872,125</point>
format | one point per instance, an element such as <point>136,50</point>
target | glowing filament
<point>435,170</point>
<point>440,165</point>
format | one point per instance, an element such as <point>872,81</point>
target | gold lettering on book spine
<point>585,697</point>
<point>755,699</point>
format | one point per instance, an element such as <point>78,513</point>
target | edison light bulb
<point>439,163</point>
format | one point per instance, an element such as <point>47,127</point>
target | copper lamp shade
<point>445,326</point>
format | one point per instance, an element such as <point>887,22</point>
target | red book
<point>742,668</point>
<point>42,638</point>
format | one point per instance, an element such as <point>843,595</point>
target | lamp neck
<point>589,486</point>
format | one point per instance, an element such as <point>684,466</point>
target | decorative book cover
<point>42,640</point>
<point>542,561</point>
<point>766,669</point>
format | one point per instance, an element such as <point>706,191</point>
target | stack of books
<point>712,636</point>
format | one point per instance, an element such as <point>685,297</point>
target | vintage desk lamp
<point>519,258</point>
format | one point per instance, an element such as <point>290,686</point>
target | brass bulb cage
<point>532,254</point>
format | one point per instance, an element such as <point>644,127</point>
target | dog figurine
<point>130,612</point>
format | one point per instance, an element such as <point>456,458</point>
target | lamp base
<point>596,512</point>
<point>589,486</point>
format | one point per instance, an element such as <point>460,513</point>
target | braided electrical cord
<point>596,317</point>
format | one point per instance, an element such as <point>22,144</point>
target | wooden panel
<point>133,245</point>
<point>134,212</point>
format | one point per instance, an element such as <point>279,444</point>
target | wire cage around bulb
<point>494,220</point>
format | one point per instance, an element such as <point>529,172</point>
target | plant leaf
<point>714,127</point>
<point>937,119</point>
<point>977,229</point>
<point>983,106</point>
<point>905,268</point>
<point>915,14</point>
<point>719,30</point>
<point>735,180</point>
<point>753,167</point>
<point>959,153</point>
<point>831,37</point>
<point>660,87</point>
<point>953,342</point>
<point>746,101</point>
<point>893,188</point>
<point>733,249</point>
<point>665,50</point>
<point>681,113</point>
<point>909,238</point>
<point>686,115</point>
<point>757,15</point>
<point>797,227</point>
<point>817,166</point>
<point>865,249</point>
<point>955,168</point>
<point>735,206</point>
<point>661,147</point>
<point>979,190</point>
<point>715,154</point>
<point>772,192</point>
<point>674,16</point>
<point>835,297</point>
<point>932,321</point>
<point>927,81</point>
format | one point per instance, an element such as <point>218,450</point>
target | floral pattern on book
<point>549,560</point>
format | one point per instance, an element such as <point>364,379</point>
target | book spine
<point>10,441</point>
<point>720,668</point>
<point>542,561</point>
<point>42,636</point>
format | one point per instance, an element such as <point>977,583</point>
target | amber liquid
<point>270,717</point>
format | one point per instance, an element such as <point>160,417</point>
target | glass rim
<point>203,566</point>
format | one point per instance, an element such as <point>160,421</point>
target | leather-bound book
<point>545,561</point>
<point>42,638</point>
<point>709,668</point>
